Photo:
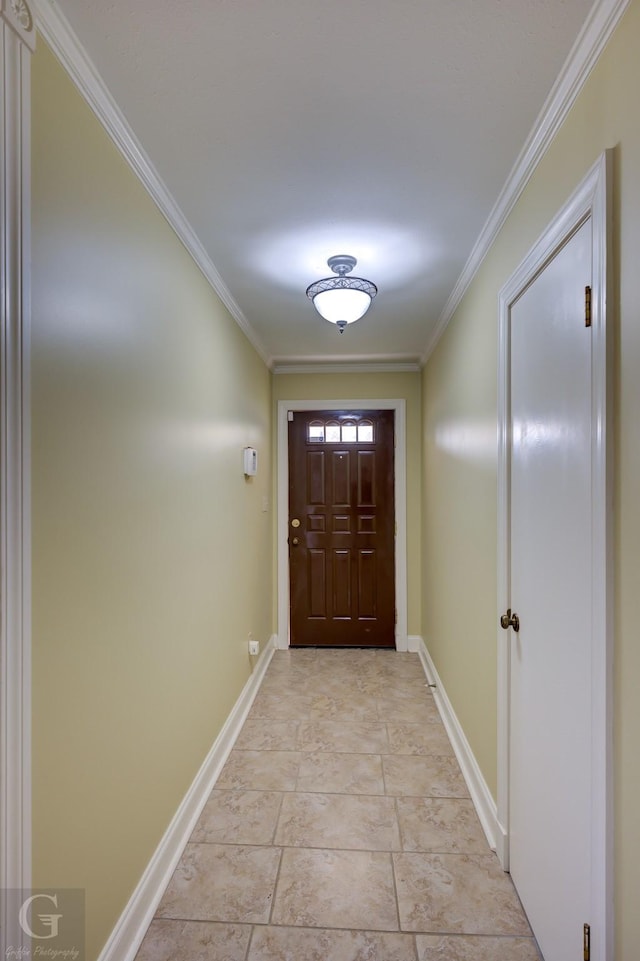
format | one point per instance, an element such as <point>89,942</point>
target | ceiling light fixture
<point>342,300</point>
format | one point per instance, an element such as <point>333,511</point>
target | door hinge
<point>587,942</point>
<point>587,306</point>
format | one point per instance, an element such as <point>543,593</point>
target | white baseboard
<point>127,935</point>
<point>480,794</point>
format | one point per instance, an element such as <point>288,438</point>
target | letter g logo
<point>48,921</point>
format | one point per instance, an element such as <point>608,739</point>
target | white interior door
<point>551,564</point>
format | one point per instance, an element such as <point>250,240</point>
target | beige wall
<point>364,386</point>
<point>151,555</point>
<point>459,389</point>
<point>460,516</point>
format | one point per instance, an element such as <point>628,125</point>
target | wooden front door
<point>342,528</point>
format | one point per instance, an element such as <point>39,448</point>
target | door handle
<point>510,620</point>
<point>295,541</point>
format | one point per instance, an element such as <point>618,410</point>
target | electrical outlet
<point>254,647</point>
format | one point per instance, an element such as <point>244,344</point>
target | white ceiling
<point>291,130</point>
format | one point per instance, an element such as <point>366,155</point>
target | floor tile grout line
<point>249,943</point>
<point>295,790</point>
<point>277,820</point>
<point>277,750</point>
<point>282,790</point>
<point>308,846</point>
<point>400,831</point>
<point>350,929</point>
<point>275,885</point>
<point>334,849</point>
<point>497,936</point>
<point>395,891</point>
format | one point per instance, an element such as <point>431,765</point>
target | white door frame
<point>17,42</point>
<point>590,200</point>
<point>400,478</point>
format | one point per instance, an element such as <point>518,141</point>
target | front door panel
<point>342,528</point>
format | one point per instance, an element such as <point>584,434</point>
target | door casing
<point>17,43</point>
<point>399,407</point>
<point>590,200</point>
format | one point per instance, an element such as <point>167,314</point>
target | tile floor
<point>340,829</point>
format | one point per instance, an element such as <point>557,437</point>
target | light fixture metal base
<point>342,264</point>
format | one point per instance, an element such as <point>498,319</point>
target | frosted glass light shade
<point>342,300</point>
<point>342,304</point>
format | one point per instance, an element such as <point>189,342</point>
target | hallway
<point>340,829</point>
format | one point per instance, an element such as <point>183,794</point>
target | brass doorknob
<point>510,620</point>
<point>295,541</point>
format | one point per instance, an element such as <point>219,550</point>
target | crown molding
<point>59,35</point>
<point>589,44</point>
<point>362,367</point>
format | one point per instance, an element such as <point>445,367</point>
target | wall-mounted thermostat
<point>250,461</point>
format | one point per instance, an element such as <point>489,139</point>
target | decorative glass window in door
<point>344,432</point>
